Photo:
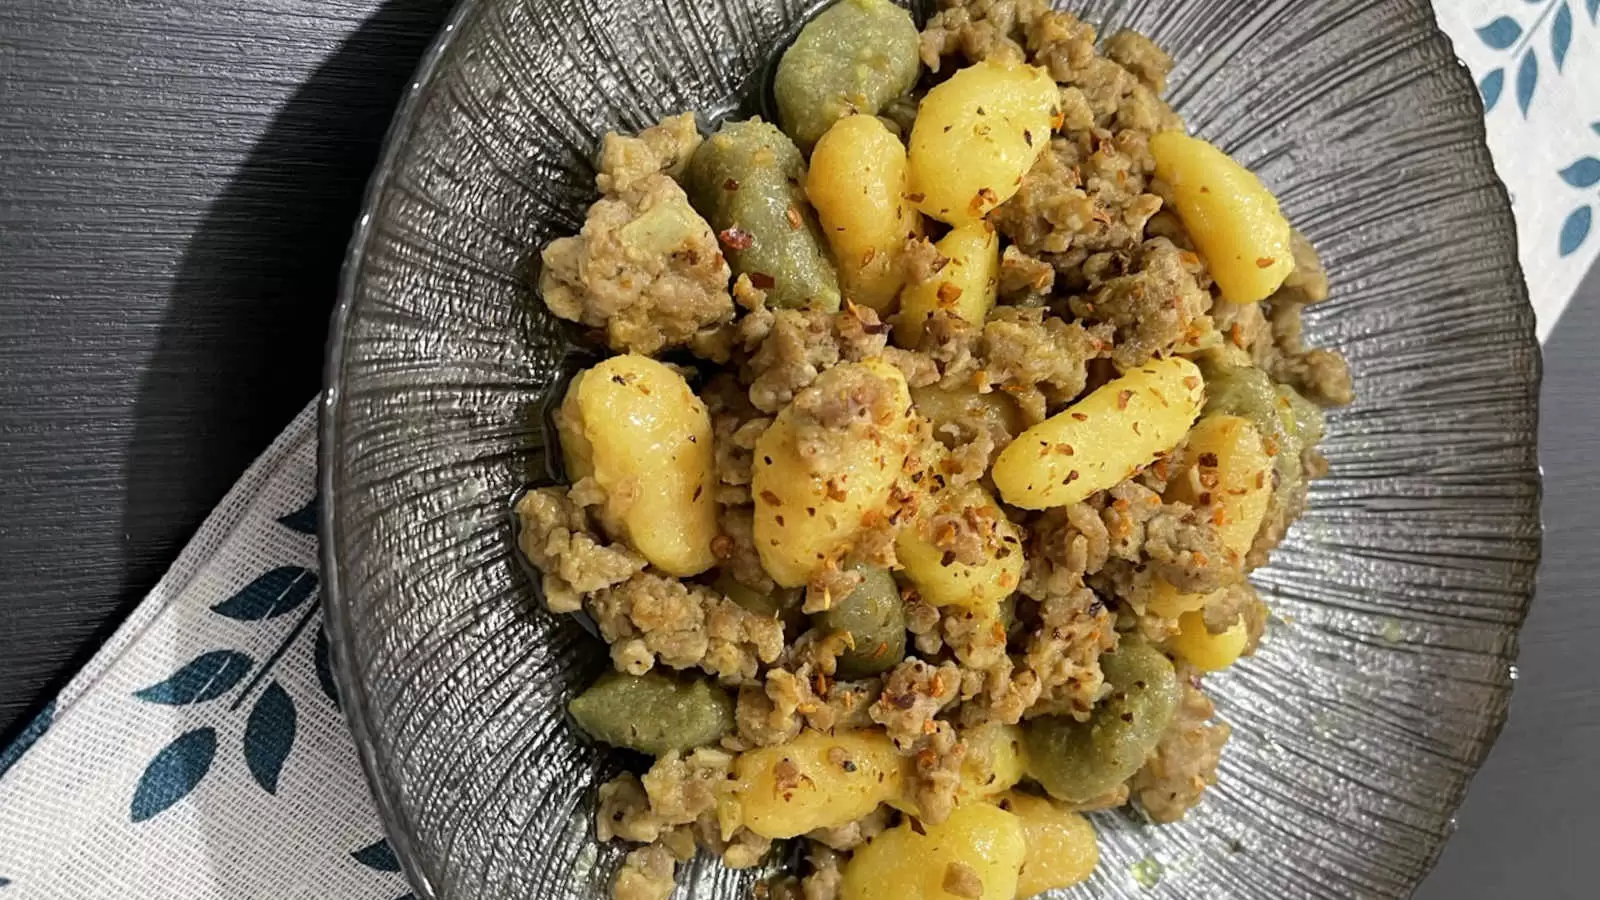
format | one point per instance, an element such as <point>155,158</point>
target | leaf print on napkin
<point>304,519</point>
<point>271,595</point>
<point>379,856</point>
<point>1561,35</point>
<point>206,677</point>
<point>174,772</point>
<point>1585,173</point>
<point>1593,6</point>
<point>1575,230</point>
<point>269,736</point>
<point>1527,80</point>
<point>1501,33</point>
<point>1490,88</point>
<point>323,663</point>
<point>35,729</point>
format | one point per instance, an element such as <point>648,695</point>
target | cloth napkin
<point>202,754</point>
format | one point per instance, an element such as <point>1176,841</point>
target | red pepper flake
<point>948,294</point>
<point>762,281</point>
<point>1080,417</point>
<point>1204,189</point>
<point>1192,382</point>
<point>1218,517</point>
<point>1261,478</point>
<point>1265,262</point>
<point>1136,429</point>
<point>1208,460</point>
<point>1071,477</point>
<point>732,184</point>
<point>1065,449</point>
<point>736,238</point>
<point>770,498</point>
<point>1122,399</point>
<point>1027,137</point>
<point>916,197</point>
<point>698,490</point>
<point>722,546</point>
<point>793,215</point>
<point>984,199</point>
<point>867,256</point>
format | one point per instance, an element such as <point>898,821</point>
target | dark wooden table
<point>178,179</point>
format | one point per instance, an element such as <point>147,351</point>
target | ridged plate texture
<point>1397,599</point>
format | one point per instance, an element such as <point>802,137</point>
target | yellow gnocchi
<point>1061,849</point>
<point>964,288</point>
<point>975,854</point>
<point>857,182</point>
<point>1233,218</point>
<point>944,581</point>
<point>994,764</point>
<point>1102,439</point>
<point>1208,652</point>
<point>810,505</point>
<point>1228,469</point>
<point>816,781</point>
<point>636,427</point>
<point>977,134</point>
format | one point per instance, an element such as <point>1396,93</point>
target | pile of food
<point>944,425</point>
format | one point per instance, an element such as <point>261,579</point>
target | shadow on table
<point>241,349</point>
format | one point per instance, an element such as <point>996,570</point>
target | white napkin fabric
<point>202,755</point>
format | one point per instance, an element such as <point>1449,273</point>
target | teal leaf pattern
<point>174,773</point>
<point>321,658</point>
<point>1561,35</point>
<point>1585,173</point>
<point>379,857</point>
<point>1501,33</point>
<point>279,591</point>
<point>1593,6</point>
<point>206,677</point>
<point>269,736</point>
<point>304,519</point>
<point>1575,230</point>
<point>1527,80</point>
<point>30,735</point>
<point>1490,87</point>
<point>4,881</point>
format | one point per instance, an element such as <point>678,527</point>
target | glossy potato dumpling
<point>816,781</point>
<point>1233,218</point>
<point>977,134</point>
<point>816,486</point>
<point>965,288</point>
<point>1102,439</point>
<point>973,855</point>
<point>943,581</point>
<point>636,427</point>
<point>857,183</point>
<point>1061,845</point>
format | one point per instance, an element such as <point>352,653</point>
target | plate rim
<point>354,701</point>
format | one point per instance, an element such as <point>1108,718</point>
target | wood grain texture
<point>178,181</point>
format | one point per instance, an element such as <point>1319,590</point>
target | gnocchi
<point>1229,470</point>
<point>944,581</point>
<point>816,781</point>
<point>1102,439</point>
<point>964,288</point>
<point>1208,652</point>
<point>975,854</point>
<point>977,134</point>
<point>854,57</point>
<point>1060,845</point>
<point>810,504</point>
<point>858,183</point>
<point>1233,218</point>
<point>637,429</point>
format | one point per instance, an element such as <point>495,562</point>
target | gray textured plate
<point>1400,594</point>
